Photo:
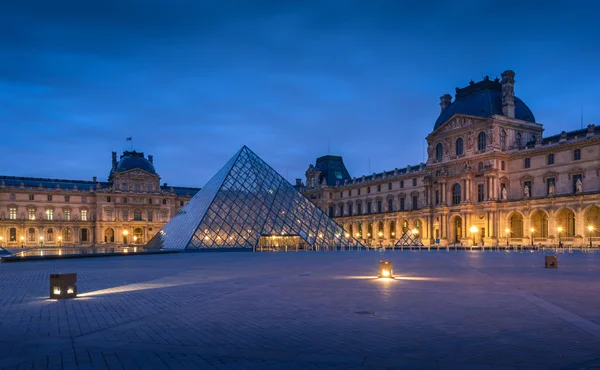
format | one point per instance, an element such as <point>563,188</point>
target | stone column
<point>464,192</point>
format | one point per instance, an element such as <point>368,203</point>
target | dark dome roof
<point>132,160</point>
<point>482,99</point>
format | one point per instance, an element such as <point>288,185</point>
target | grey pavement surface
<point>444,310</point>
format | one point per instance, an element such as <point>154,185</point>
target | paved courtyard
<point>446,310</point>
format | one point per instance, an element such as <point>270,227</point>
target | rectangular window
<point>181,203</point>
<point>67,214</point>
<point>49,197</point>
<point>109,215</point>
<point>108,199</point>
<point>12,234</point>
<point>390,205</point>
<point>12,213</point>
<point>49,214</point>
<point>84,215</point>
<point>480,192</point>
<point>349,209</point>
<point>31,214</point>
<point>437,197</point>
<point>401,184</point>
<point>527,163</point>
<point>341,194</point>
<point>349,193</point>
<point>550,182</point>
<point>577,154</point>
<point>331,212</point>
<point>84,199</point>
<point>150,201</point>
<point>358,191</point>
<point>414,182</point>
<point>415,201</point>
<point>330,197</point>
<point>341,210</point>
<point>402,204</point>
<point>379,207</point>
<point>67,198</point>
<point>125,215</point>
<point>368,208</point>
<point>163,217</point>
<point>124,200</point>
<point>359,209</point>
<point>390,186</point>
<point>31,197</point>
<point>150,216</point>
<point>502,166</point>
<point>368,190</point>
<point>550,158</point>
<point>379,187</point>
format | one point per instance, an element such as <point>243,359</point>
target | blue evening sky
<point>193,81</point>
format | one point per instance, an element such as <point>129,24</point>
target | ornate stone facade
<point>491,176</point>
<point>129,208</point>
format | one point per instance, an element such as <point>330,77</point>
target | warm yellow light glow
<point>206,237</point>
<point>473,229</point>
<point>320,235</point>
<point>135,238</point>
<point>347,235</point>
<point>357,235</point>
<point>1,238</point>
<point>59,238</point>
<point>70,290</point>
<point>41,238</point>
<point>368,234</point>
<point>125,250</point>
<point>415,231</point>
<point>135,249</point>
<point>60,252</point>
<point>393,233</point>
<point>22,238</point>
<point>125,232</point>
<point>532,229</point>
<point>56,290</point>
<point>380,233</point>
<point>559,229</point>
<point>507,230</point>
<point>590,229</point>
<point>385,273</point>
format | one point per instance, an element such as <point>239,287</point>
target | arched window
<point>393,229</point>
<point>419,226</point>
<point>481,141</point>
<point>12,234</point>
<point>370,230</point>
<point>50,235</point>
<point>516,225</point>
<point>502,139</point>
<point>404,226</point>
<point>459,146</point>
<point>138,235</point>
<point>84,235</point>
<point>592,218</point>
<point>518,140</point>
<point>67,235</point>
<point>109,235</point>
<point>540,224</point>
<point>566,219</point>
<point>439,152</point>
<point>456,194</point>
<point>380,230</point>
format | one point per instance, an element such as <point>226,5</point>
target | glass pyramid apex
<point>247,204</point>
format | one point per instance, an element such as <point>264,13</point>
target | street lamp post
<point>22,241</point>
<point>559,229</point>
<point>41,241</point>
<point>473,231</point>
<point>507,231</point>
<point>532,230</point>
<point>591,230</point>
<point>60,241</point>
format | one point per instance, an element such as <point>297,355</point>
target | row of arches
<point>459,145</point>
<point>383,230</point>
<point>47,235</point>
<point>136,238</point>
<point>564,219</point>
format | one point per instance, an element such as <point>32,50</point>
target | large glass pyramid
<point>247,204</point>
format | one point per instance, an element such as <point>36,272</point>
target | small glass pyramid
<point>248,205</point>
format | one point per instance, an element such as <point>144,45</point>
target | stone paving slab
<point>444,310</point>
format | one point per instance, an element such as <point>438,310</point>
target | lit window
<point>49,214</point>
<point>31,234</point>
<point>31,214</point>
<point>84,215</point>
<point>67,214</point>
<point>12,234</point>
<point>12,213</point>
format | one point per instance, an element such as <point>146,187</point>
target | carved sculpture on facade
<point>469,141</point>
<point>504,193</point>
<point>526,191</point>
<point>579,186</point>
<point>490,135</point>
<point>551,189</point>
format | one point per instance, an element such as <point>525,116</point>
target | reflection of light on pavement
<point>396,277</point>
<point>127,288</point>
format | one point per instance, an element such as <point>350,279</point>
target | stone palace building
<point>129,208</point>
<point>491,176</point>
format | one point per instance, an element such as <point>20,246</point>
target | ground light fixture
<point>559,229</point>
<point>385,269</point>
<point>473,231</point>
<point>507,232</point>
<point>532,231</point>
<point>591,231</point>
<point>63,286</point>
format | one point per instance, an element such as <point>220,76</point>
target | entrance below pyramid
<point>284,243</point>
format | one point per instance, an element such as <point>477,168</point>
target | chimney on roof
<point>151,158</point>
<point>445,101</point>
<point>114,160</point>
<point>508,93</point>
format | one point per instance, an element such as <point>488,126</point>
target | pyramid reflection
<point>248,205</point>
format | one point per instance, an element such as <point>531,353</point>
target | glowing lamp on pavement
<point>385,269</point>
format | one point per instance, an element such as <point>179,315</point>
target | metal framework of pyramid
<point>247,201</point>
<point>409,239</point>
